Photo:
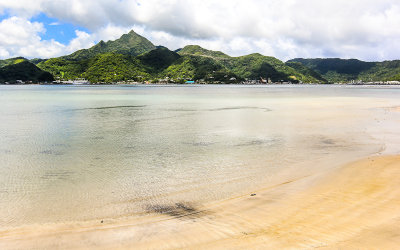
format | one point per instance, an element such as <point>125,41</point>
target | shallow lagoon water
<point>74,153</point>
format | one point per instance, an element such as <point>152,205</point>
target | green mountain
<point>382,71</point>
<point>134,58</point>
<point>131,44</point>
<point>24,71</point>
<point>36,61</point>
<point>255,66</point>
<point>106,62</point>
<point>11,61</point>
<point>190,67</point>
<point>346,70</point>
<point>65,69</point>
<point>196,50</point>
<point>309,74</point>
<point>158,59</point>
<point>110,67</point>
<point>160,63</point>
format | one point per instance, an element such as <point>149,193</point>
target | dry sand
<point>356,206</point>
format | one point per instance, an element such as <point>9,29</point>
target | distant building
<point>263,81</point>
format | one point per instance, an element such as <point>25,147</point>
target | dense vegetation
<point>341,70</point>
<point>382,71</point>
<point>309,75</point>
<point>24,71</point>
<point>65,69</point>
<point>196,50</point>
<point>131,44</point>
<point>190,67</point>
<point>159,59</point>
<point>11,61</point>
<point>255,66</point>
<point>161,64</point>
<point>110,67</point>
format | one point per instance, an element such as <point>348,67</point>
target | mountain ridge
<point>134,58</point>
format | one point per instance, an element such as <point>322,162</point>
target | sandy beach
<point>356,206</point>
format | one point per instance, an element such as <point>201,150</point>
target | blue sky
<point>363,29</point>
<point>58,30</point>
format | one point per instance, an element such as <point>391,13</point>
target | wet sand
<point>356,206</point>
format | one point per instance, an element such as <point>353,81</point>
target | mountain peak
<point>130,43</point>
<point>132,32</point>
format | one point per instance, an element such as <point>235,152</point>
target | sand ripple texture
<point>356,206</point>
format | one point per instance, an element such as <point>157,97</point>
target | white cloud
<point>21,37</point>
<point>82,40</point>
<point>365,29</point>
<point>4,53</point>
<point>17,31</point>
<point>110,32</point>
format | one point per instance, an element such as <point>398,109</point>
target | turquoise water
<point>71,153</point>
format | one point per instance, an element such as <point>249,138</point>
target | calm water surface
<point>71,153</point>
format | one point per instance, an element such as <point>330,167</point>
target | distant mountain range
<point>134,58</point>
<point>340,70</point>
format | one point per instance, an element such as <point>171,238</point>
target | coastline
<point>206,84</point>
<point>354,206</point>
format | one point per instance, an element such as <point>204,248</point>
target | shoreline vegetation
<point>134,59</point>
<point>350,207</point>
<point>197,84</point>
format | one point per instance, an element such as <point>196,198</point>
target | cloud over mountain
<point>365,29</point>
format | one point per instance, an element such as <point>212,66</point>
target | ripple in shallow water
<point>110,107</point>
<point>51,152</point>
<point>60,175</point>
<point>239,108</point>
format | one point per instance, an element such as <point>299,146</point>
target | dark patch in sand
<point>178,210</point>
<point>328,141</point>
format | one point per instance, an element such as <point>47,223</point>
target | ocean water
<point>76,153</point>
